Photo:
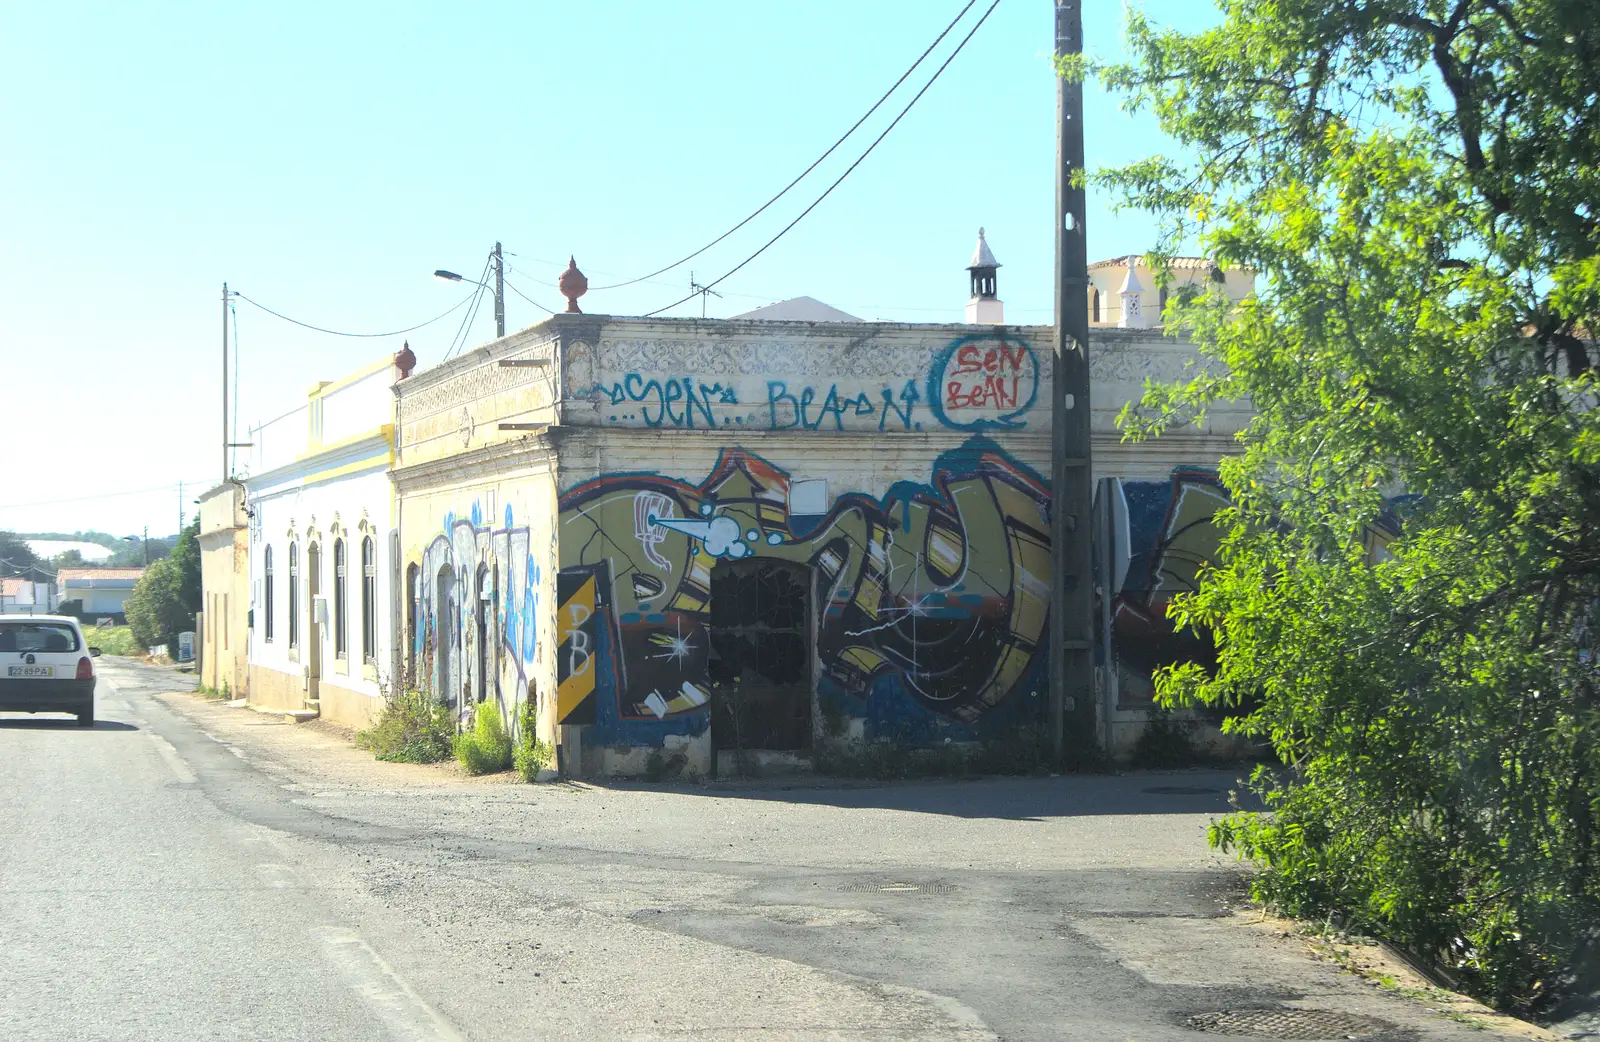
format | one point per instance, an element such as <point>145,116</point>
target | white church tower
<point>985,308</point>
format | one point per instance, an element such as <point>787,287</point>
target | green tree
<point>1416,183</point>
<point>156,610</point>
<point>186,557</point>
<point>18,561</point>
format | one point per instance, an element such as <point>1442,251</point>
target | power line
<point>523,295</point>
<point>876,141</point>
<point>831,149</point>
<point>472,312</point>
<point>336,332</point>
<point>99,495</point>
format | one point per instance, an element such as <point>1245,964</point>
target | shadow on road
<point>59,723</point>
<point>1014,799</point>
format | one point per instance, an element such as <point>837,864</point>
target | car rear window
<point>37,636</point>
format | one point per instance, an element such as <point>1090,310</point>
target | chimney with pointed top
<point>985,307</point>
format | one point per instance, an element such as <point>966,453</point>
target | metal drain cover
<point>1318,1024</point>
<point>899,889</point>
<point>1180,790</point>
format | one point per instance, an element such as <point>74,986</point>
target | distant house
<point>103,591</point>
<point>26,597</point>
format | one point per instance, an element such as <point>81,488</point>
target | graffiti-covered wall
<point>929,597</point>
<point>480,583</point>
<point>475,476</point>
<point>767,534</point>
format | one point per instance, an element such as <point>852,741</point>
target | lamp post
<point>498,289</point>
<point>146,537</point>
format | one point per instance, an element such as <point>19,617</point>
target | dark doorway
<point>760,656</point>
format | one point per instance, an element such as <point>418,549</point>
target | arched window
<point>266,591</point>
<point>412,595</point>
<point>294,595</point>
<point>341,639</point>
<point>369,602</point>
<point>1094,305</point>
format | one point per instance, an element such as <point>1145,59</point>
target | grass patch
<point>112,640</point>
<point>486,748</point>
<point>413,728</point>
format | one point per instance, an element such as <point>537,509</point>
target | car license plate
<point>27,671</point>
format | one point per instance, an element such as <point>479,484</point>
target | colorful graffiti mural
<point>478,601</point>
<point>936,595</point>
<point>1162,533</point>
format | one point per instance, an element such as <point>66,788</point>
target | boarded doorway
<point>760,655</point>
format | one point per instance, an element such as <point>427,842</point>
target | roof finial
<point>573,285</point>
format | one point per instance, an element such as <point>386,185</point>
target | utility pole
<point>180,506</point>
<point>1072,487</point>
<point>499,292</point>
<point>227,471</point>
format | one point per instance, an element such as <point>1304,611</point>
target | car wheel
<point>86,716</point>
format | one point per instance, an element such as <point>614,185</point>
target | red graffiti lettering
<point>1000,378</point>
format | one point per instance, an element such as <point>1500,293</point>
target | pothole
<point>898,889</point>
<point>1180,790</point>
<point>1315,1024</point>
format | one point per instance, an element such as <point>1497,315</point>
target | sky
<point>324,159</point>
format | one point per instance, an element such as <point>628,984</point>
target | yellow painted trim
<point>329,386</point>
<point>383,430</point>
<point>370,463</point>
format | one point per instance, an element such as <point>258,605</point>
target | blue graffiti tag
<point>786,410</point>
<point>684,402</point>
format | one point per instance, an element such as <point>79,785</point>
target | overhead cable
<point>465,329</point>
<point>917,97</point>
<point>523,295</point>
<point>336,332</point>
<point>831,149</point>
<point>97,495</point>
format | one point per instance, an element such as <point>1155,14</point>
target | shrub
<point>414,727</point>
<point>486,748</point>
<point>72,607</point>
<point>113,640</point>
<point>1165,742</point>
<point>532,755</point>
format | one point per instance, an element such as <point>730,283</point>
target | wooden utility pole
<point>227,471</point>
<point>1072,487</point>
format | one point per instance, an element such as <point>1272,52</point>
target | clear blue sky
<point>325,158</point>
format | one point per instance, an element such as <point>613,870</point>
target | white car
<point>46,667</point>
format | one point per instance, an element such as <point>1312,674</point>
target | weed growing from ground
<point>486,748</point>
<point>532,755</point>
<point>414,727</point>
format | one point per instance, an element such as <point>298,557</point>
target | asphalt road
<point>188,871</point>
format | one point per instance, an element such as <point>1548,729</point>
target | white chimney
<point>985,307</point>
<point>1133,316</point>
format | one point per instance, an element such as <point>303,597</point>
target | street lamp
<point>498,289</point>
<point>135,539</point>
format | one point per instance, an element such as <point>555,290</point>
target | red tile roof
<point>70,574</point>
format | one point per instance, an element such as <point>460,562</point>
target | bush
<point>1165,742</point>
<point>156,610</point>
<point>414,727</point>
<point>532,755</point>
<point>486,748</point>
<point>113,640</point>
<point>73,607</point>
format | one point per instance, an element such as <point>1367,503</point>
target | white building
<point>1125,292</point>
<point>321,517</point>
